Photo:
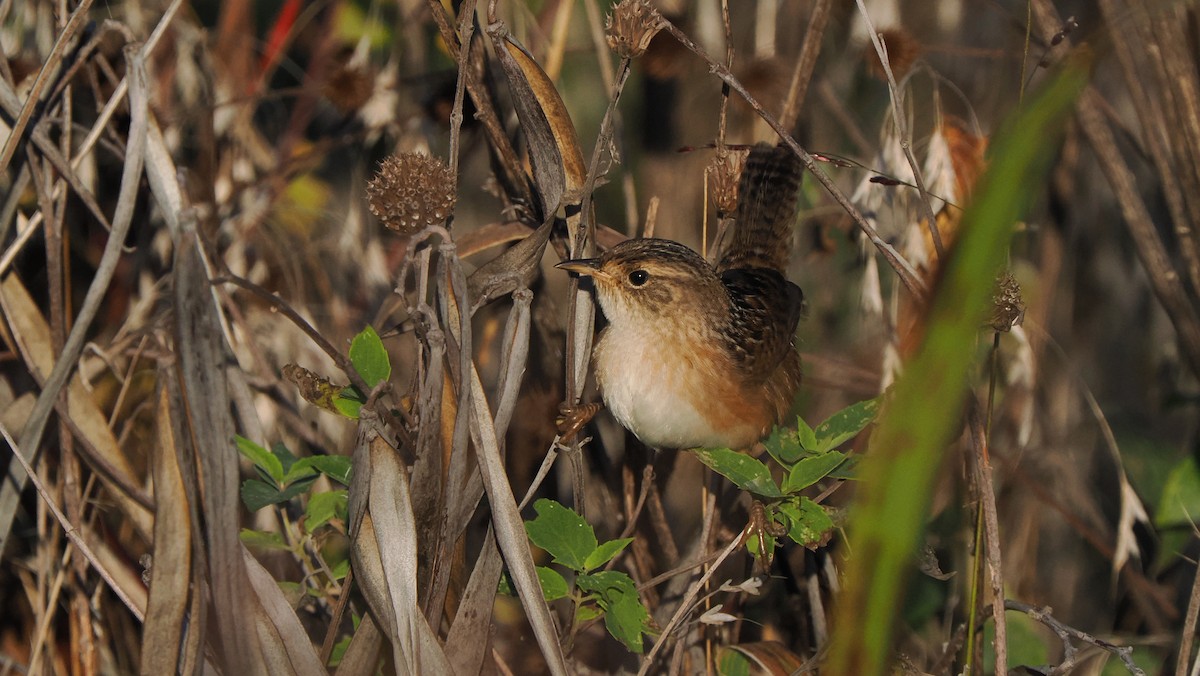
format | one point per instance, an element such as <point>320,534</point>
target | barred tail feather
<point>766,211</point>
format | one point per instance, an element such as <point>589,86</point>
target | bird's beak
<point>582,266</point>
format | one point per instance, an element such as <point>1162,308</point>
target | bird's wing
<point>765,308</point>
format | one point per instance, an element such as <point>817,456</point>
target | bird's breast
<point>677,390</point>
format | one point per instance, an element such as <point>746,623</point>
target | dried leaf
<point>164,632</point>
<point>554,150</point>
<point>200,346</point>
<point>769,657</point>
<point>474,615</point>
<point>31,332</point>
<point>511,270</point>
<point>510,529</point>
<point>385,553</point>
<point>362,656</point>
<point>284,643</point>
<point>31,436</point>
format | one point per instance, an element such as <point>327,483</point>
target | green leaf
<point>340,569</point>
<point>784,445</point>
<point>554,587</point>
<point>606,582</point>
<point>261,457</point>
<point>845,424</point>
<point>505,586</point>
<point>562,533</point>
<point>256,494</point>
<point>1180,501</point>
<point>812,469</point>
<point>349,402</point>
<point>847,470</point>
<point>294,489</point>
<point>745,472</point>
<point>624,615</point>
<point>286,457</point>
<point>732,663</point>
<point>300,469</point>
<point>336,467</point>
<point>808,523</point>
<point>339,651</point>
<point>805,434</point>
<point>369,357</point>
<point>587,612</point>
<point>626,619</point>
<point>605,552</point>
<point>262,539</point>
<point>323,507</point>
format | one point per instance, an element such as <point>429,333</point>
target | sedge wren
<point>696,355</point>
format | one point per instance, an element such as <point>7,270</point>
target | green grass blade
<point>889,514</point>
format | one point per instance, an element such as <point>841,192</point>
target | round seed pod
<point>411,192</point>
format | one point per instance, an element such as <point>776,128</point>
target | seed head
<point>1008,308</point>
<point>411,192</point>
<point>631,27</point>
<point>315,389</point>
<point>350,88</point>
<point>723,174</point>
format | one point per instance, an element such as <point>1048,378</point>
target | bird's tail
<point>766,211</point>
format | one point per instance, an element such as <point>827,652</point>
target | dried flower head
<point>631,27</point>
<point>411,192</point>
<point>350,87</point>
<point>1008,308</point>
<point>315,389</point>
<point>723,174</point>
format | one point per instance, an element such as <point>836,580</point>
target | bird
<point>702,355</point>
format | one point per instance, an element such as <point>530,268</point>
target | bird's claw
<point>572,418</point>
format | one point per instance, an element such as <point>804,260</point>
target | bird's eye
<point>639,277</point>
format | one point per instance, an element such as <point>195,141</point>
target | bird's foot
<point>760,526</point>
<point>572,418</point>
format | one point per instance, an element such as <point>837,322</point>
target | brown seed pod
<point>631,27</point>
<point>1008,307</point>
<point>723,176</point>
<point>411,192</point>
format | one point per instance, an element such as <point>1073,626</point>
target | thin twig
<point>49,69</point>
<point>1167,144</point>
<point>581,314</point>
<point>514,176</point>
<point>1066,633</point>
<point>1164,279</point>
<point>991,522</point>
<point>686,605</point>
<point>903,268</point>
<point>31,435</point>
<point>631,522</point>
<point>466,29</point>
<point>903,131</point>
<point>1189,628</point>
<point>807,61</point>
<point>335,621</point>
<point>281,306</point>
<point>72,534</point>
